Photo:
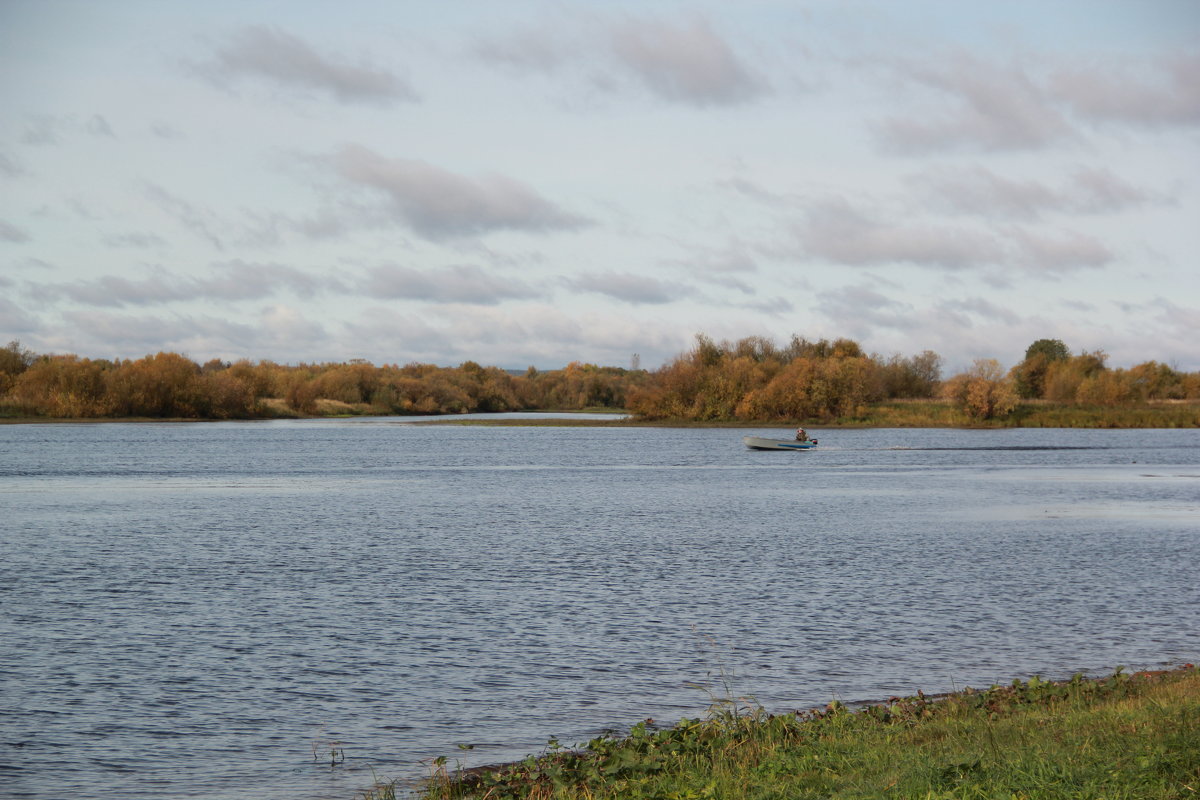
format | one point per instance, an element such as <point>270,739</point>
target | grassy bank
<point>1123,737</point>
<point>919,414</point>
<point>1030,414</point>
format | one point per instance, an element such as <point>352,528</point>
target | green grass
<point>1127,737</point>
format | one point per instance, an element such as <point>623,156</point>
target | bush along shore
<point>750,381</point>
<point>1124,737</point>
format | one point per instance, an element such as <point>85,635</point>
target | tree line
<point>170,385</point>
<point>1050,373</point>
<point>751,379</point>
<point>754,379</point>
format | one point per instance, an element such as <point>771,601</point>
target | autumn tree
<point>14,360</point>
<point>1063,377</point>
<point>983,391</point>
<point>1030,375</point>
<point>161,385</point>
<point>63,386</point>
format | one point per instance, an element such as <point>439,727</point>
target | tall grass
<point>1126,737</point>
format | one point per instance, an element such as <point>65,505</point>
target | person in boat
<point>801,435</point>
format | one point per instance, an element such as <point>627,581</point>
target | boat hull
<point>759,443</point>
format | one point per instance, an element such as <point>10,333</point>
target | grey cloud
<point>527,51</point>
<point>630,288</point>
<point>194,219</point>
<point>14,319</point>
<point>241,280</point>
<point>687,62</point>
<point>1062,253</point>
<point>98,126</point>
<point>164,131</point>
<point>11,233</point>
<point>1098,190</point>
<point>41,130</point>
<point>980,308</point>
<point>131,335</point>
<point>45,129</point>
<point>754,191</point>
<point>10,168</point>
<point>979,191</point>
<point>775,307</point>
<point>457,284</point>
<point>860,308</point>
<point>437,203</point>
<point>269,53</point>
<point>114,291</point>
<point>1184,319</point>
<point>229,281</point>
<point>992,108</point>
<point>1166,92</point>
<point>135,240</point>
<point>285,327</point>
<point>718,266</point>
<point>976,190</point>
<point>732,283</point>
<point>834,230</point>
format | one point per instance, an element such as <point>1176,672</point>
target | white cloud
<point>279,57</point>
<point>438,203</point>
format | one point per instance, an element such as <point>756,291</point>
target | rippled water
<point>188,610</point>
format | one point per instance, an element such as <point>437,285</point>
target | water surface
<point>190,610</point>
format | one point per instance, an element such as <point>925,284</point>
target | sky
<point>535,183</point>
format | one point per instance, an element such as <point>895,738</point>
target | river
<point>208,610</point>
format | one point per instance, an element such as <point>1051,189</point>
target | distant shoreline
<point>882,416</point>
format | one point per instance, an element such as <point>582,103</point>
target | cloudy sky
<point>539,182</point>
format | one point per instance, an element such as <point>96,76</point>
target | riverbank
<point>919,414</point>
<point>893,414</point>
<point>1124,736</point>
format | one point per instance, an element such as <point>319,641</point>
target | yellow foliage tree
<point>983,392</point>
